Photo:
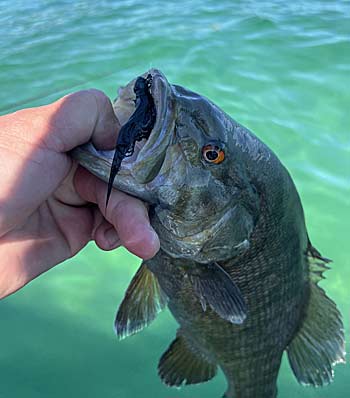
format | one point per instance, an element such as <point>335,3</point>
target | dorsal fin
<point>181,364</point>
<point>142,302</point>
<point>319,344</point>
<point>317,264</point>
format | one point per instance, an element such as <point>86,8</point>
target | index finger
<point>127,214</point>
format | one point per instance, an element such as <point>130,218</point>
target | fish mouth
<point>151,151</point>
<point>144,164</point>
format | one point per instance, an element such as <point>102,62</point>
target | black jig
<point>138,127</point>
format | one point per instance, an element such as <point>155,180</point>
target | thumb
<point>77,118</point>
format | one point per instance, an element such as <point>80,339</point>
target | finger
<point>69,122</point>
<point>128,215</point>
<point>106,237</point>
<point>83,116</point>
<point>51,235</point>
<point>66,191</point>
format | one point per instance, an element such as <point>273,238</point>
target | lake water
<point>280,68</point>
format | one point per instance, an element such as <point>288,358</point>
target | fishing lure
<point>138,127</point>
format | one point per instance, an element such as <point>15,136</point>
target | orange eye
<point>213,154</point>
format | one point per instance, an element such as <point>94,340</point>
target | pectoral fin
<point>214,286</point>
<point>143,300</point>
<point>319,343</point>
<point>181,364</point>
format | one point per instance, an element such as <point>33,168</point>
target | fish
<point>236,266</point>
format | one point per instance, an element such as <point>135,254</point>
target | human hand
<point>46,214</point>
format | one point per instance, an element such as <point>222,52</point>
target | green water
<point>280,68</point>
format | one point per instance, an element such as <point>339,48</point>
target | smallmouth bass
<point>236,266</point>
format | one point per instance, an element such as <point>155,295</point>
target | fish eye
<point>213,154</point>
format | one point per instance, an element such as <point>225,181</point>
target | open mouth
<point>139,125</point>
<point>142,164</point>
<point>136,129</point>
<point>147,157</point>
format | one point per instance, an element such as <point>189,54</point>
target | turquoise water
<point>280,68</point>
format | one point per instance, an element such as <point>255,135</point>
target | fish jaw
<point>143,166</point>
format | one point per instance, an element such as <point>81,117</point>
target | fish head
<point>192,171</point>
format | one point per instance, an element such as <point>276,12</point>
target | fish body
<point>236,266</point>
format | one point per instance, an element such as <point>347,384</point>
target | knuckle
<point>99,96</point>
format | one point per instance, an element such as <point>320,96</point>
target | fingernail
<point>111,237</point>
